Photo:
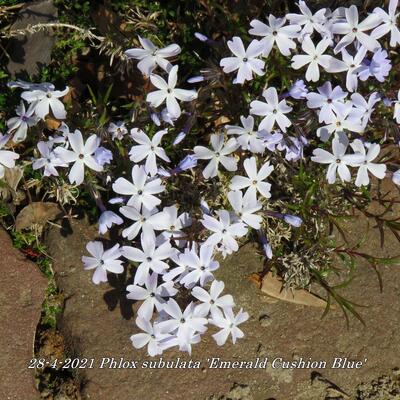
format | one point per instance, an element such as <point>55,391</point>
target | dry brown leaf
<point>37,213</point>
<point>221,121</point>
<point>52,123</point>
<point>272,286</point>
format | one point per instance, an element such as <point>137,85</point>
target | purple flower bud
<point>117,200</point>
<point>204,207</point>
<point>196,79</point>
<point>163,172</point>
<point>396,177</point>
<point>265,244</point>
<point>188,162</point>
<point>107,219</point>
<point>298,90</point>
<point>103,156</point>
<point>201,37</point>
<point>179,138</point>
<point>292,220</point>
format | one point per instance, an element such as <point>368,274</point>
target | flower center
<point>202,268</point>
<point>338,161</point>
<point>245,59</point>
<point>140,192</point>
<point>81,156</point>
<point>24,118</point>
<point>355,30</point>
<point>275,111</point>
<point>224,230</point>
<point>254,182</point>
<point>274,33</point>
<point>152,294</point>
<point>217,154</point>
<point>48,95</point>
<point>169,90</point>
<point>172,228</point>
<point>212,301</point>
<point>149,259</point>
<point>329,101</point>
<point>153,336</point>
<point>182,320</point>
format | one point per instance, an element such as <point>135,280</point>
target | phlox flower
<point>107,219</point>
<point>366,165</point>
<point>272,110</point>
<point>247,137</point>
<point>43,100</point>
<point>363,107</point>
<point>353,65</point>
<point>353,30</point>
<point>102,261</point>
<point>229,325</point>
<point>151,56</point>
<point>338,160</point>
<point>245,207</point>
<point>255,179</point>
<point>315,58</point>
<point>148,149</point>
<point>141,189</point>
<point>7,157</point>
<point>199,265</point>
<point>224,231</point>
<point>244,61</point>
<point>81,155</point>
<point>389,23</point>
<point>48,160</point>
<point>20,124</point>
<point>218,154</point>
<point>149,258</point>
<point>117,130</point>
<point>298,90</point>
<point>327,100</point>
<point>275,33</point>
<point>151,336</point>
<point>211,301</point>
<point>167,92</point>
<point>152,295</point>
<point>379,66</point>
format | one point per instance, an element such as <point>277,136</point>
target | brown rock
<point>22,289</point>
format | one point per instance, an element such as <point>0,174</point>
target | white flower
<point>345,118</point>
<point>353,64</point>
<point>315,57</point>
<point>185,323</point>
<point>169,93</point>
<point>174,224</point>
<point>254,180</point>
<point>7,157</point>
<point>389,24</point>
<point>151,336</point>
<point>151,56</point>
<point>145,220</point>
<point>245,61</point>
<point>352,30</point>
<point>273,111</point>
<point>148,149</point>
<point>118,130</point>
<point>396,112</point>
<point>327,100</point>
<point>210,300</point>
<point>378,170</point>
<point>153,295</point>
<point>364,108</point>
<point>102,261</point>
<point>396,177</point>
<point>44,100</point>
<point>224,231</point>
<point>81,155</point>
<point>107,219</point>
<point>219,154</point>
<point>48,160</point>
<point>140,189</point>
<point>308,20</point>
<point>338,161</point>
<point>275,33</point>
<point>150,258</point>
<point>229,325</point>
<point>21,123</point>
<point>247,138</point>
<point>200,266</point>
<point>245,207</point>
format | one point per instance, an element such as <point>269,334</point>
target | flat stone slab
<point>98,321</point>
<point>30,52</point>
<point>22,290</point>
